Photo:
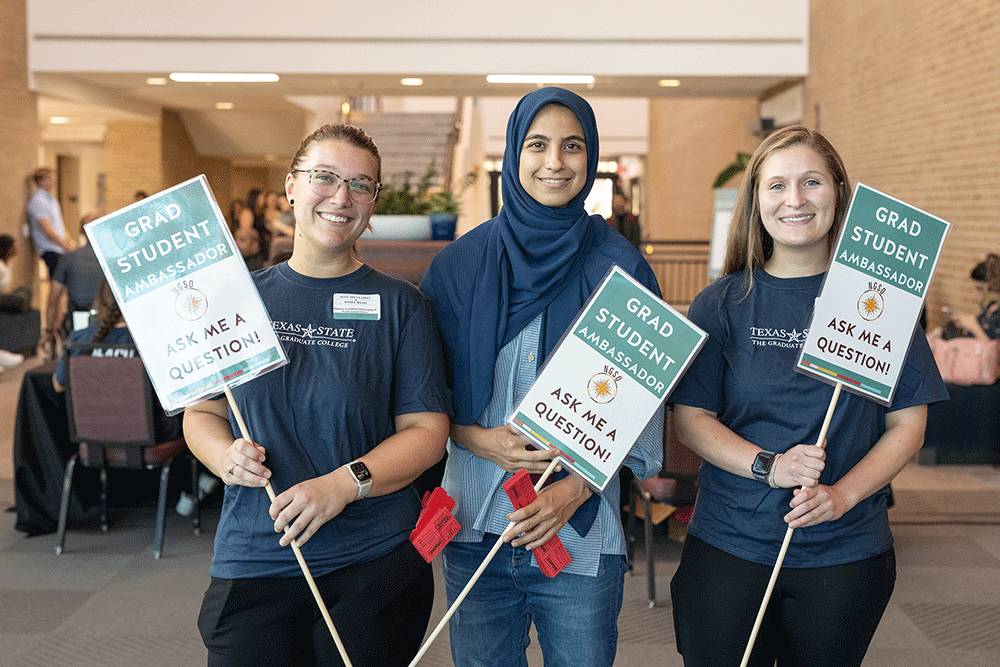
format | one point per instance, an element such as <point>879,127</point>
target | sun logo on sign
<point>871,305</point>
<point>602,388</point>
<point>191,304</point>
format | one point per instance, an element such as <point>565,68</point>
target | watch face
<point>762,464</point>
<point>361,472</point>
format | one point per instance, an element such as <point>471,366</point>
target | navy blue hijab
<point>531,258</point>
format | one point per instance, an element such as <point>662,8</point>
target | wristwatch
<point>763,466</point>
<point>362,477</point>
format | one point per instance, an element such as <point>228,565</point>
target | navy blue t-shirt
<point>745,375</point>
<point>336,400</point>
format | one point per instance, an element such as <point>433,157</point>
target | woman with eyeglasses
<point>503,294</point>
<point>358,413</point>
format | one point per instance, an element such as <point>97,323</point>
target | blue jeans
<point>576,616</point>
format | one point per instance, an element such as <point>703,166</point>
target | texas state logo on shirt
<point>313,334</point>
<point>778,337</point>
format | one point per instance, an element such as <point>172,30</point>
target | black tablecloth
<point>41,449</point>
<point>966,428</point>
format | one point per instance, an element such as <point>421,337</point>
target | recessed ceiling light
<point>223,77</point>
<point>224,106</point>
<point>156,81</point>
<point>412,81</point>
<point>58,120</point>
<point>668,83</point>
<point>584,79</point>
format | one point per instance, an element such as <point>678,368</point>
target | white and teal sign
<point>604,381</point>
<point>872,294</point>
<point>183,288</point>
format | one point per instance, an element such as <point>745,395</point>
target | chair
<point>675,485</point>
<point>109,402</point>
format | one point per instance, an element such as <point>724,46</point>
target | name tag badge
<point>357,306</point>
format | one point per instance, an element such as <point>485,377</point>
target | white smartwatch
<point>362,477</point>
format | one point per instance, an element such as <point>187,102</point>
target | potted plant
<point>401,212</point>
<point>444,207</point>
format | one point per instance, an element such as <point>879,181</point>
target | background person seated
<point>248,241</point>
<point>984,326</point>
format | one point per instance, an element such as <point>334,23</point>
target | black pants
<point>816,616</point>
<point>380,610</point>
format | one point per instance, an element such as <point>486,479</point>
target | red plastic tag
<point>435,525</point>
<point>432,538</point>
<point>432,501</point>
<point>552,556</point>
<point>520,489</point>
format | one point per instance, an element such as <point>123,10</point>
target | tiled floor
<point>108,602</point>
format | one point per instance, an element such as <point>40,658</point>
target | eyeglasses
<point>325,183</point>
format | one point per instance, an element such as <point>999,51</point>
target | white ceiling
<point>331,50</point>
<point>265,115</point>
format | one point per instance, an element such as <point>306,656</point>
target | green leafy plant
<point>736,167</point>
<point>406,198</point>
<point>409,198</point>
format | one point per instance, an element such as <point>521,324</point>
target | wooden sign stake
<point>788,538</point>
<point>245,434</point>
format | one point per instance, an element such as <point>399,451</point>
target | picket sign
<point>882,265</point>
<point>192,309</point>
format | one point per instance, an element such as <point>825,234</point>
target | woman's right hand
<point>242,464</point>
<point>505,447</point>
<point>799,466</point>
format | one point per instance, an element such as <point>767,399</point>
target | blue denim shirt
<point>476,483</point>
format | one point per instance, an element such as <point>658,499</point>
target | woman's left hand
<point>820,503</point>
<point>303,509</point>
<point>542,519</point>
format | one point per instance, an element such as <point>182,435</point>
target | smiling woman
<point>504,293</point>
<point>553,164</point>
<point>332,185</point>
<point>755,422</point>
<point>358,413</point>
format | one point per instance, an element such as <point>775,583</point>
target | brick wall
<point>909,93</point>
<point>19,140</point>
<point>690,142</point>
<point>132,161</point>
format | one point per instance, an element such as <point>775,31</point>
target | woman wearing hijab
<point>503,295</point>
